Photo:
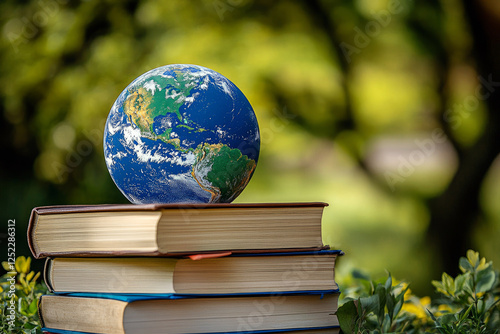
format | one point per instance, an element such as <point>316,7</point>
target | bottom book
<point>335,330</point>
<point>116,314</point>
<point>305,331</point>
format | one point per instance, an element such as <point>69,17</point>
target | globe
<point>181,134</point>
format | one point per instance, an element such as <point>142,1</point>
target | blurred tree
<point>455,211</point>
<point>351,73</point>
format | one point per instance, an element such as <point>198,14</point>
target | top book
<point>173,229</point>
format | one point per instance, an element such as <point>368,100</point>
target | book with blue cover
<point>321,330</point>
<point>130,314</point>
<point>227,274</point>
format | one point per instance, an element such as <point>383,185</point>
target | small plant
<point>19,293</point>
<point>469,303</point>
<point>377,309</point>
<point>472,297</point>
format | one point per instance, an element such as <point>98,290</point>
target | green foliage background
<point>334,120</point>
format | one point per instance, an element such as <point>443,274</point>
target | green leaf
<point>23,306</point>
<point>490,302</point>
<point>460,280</point>
<point>31,328</point>
<point>398,307</point>
<point>448,319</point>
<point>33,307</point>
<point>401,295</point>
<point>465,265</point>
<point>6,266</point>
<point>382,296</point>
<point>468,286</point>
<point>347,315</point>
<point>370,304</point>
<point>357,274</point>
<point>481,305</point>
<point>386,324</point>
<point>433,317</point>
<point>473,258</point>
<point>388,283</point>
<point>485,279</point>
<point>448,284</point>
<point>390,303</point>
<point>439,287</point>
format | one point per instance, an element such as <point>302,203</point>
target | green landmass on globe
<point>222,171</point>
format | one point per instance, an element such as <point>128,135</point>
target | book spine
<point>31,227</point>
<point>40,315</point>
<point>47,274</point>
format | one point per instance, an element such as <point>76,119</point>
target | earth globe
<point>181,134</point>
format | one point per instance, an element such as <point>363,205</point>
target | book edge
<point>55,209</point>
<point>173,296</point>
<point>176,254</point>
<point>135,297</point>
<point>265,331</point>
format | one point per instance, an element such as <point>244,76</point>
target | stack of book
<point>219,268</point>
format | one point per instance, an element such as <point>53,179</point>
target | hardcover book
<point>119,314</point>
<point>334,330</point>
<point>252,273</point>
<point>173,230</point>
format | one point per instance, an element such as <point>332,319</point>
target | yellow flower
<point>23,264</point>
<point>418,308</point>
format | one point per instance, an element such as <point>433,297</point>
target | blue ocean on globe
<point>181,134</point>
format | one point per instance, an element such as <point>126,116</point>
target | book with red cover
<point>174,229</point>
